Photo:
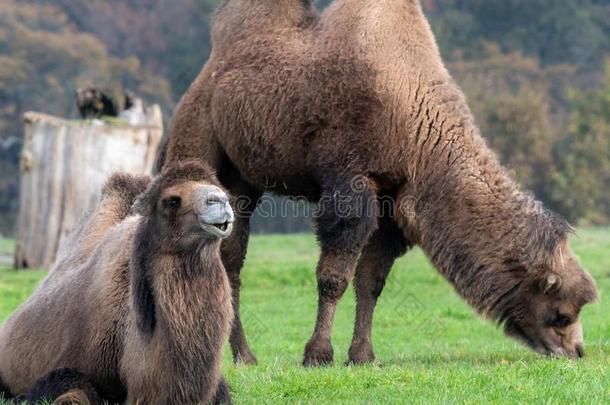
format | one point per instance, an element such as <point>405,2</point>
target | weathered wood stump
<point>63,167</point>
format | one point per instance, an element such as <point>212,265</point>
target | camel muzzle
<point>213,210</point>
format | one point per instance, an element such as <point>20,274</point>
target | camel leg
<point>64,387</point>
<point>223,394</point>
<point>5,394</point>
<point>74,397</point>
<point>384,246</point>
<point>346,218</point>
<point>233,251</point>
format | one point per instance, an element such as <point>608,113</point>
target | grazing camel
<point>140,310</point>
<point>353,107</point>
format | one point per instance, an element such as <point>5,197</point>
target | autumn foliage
<point>533,71</point>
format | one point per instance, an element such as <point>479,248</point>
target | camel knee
<point>331,286</point>
<point>377,287</point>
<point>64,386</point>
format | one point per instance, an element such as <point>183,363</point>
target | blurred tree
<point>170,38</point>
<point>43,59</point>
<point>555,31</point>
<point>518,128</point>
<point>582,183</point>
<point>511,97</point>
<point>515,60</point>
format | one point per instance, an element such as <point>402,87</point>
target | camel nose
<point>580,350</point>
<point>575,345</point>
<point>214,211</point>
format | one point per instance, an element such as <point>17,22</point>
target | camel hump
<point>410,41</point>
<point>118,195</point>
<point>256,16</point>
<point>124,185</point>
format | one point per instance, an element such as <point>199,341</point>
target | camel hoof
<point>318,354</point>
<point>360,353</point>
<point>246,358</point>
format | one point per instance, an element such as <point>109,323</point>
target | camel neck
<point>193,314</point>
<point>188,289</point>
<point>469,216</point>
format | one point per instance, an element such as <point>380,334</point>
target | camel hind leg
<point>384,247</point>
<point>233,251</point>
<point>223,394</point>
<point>64,387</point>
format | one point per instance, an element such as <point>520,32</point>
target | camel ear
<point>552,282</point>
<point>143,204</point>
<point>588,289</point>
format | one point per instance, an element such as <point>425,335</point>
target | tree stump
<point>64,165</point>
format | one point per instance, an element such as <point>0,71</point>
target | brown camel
<point>353,107</point>
<point>141,310</point>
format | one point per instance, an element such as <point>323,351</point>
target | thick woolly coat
<point>88,313</point>
<point>290,101</point>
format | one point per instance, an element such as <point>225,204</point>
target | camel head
<point>544,311</point>
<point>185,207</point>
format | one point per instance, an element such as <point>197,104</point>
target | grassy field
<point>430,347</point>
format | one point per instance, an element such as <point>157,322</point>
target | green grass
<point>430,346</point>
<point>6,246</point>
<point>15,286</point>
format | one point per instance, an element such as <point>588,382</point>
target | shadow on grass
<point>594,350</point>
<point>439,359</point>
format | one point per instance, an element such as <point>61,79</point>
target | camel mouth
<point>543,346</point>
<point>223,227</point>
<point>577,353</point>
<point>221,230</point>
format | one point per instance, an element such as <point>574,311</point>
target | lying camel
<point>353,108</point>
<point>141,317</point>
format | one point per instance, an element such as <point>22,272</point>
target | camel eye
<point>173,202</point>
<point>561,321</point>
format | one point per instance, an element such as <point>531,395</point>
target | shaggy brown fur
<point>353,106</point>
<point>118,195</point>
<point>144,314</point>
